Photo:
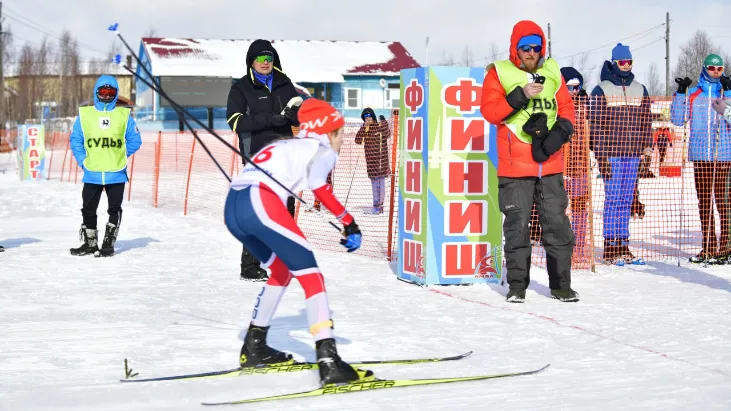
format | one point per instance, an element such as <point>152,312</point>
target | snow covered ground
<point>653,337</point>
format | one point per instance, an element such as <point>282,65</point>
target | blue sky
<point>576,26</point>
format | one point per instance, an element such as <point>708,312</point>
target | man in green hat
<point>709,148</point>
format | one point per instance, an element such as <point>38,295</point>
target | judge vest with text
<point>527,99</point>
<point>102,139</point>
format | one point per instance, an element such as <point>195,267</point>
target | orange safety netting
<point>645,202</point>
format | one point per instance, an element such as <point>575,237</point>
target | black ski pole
<point>156,87</point>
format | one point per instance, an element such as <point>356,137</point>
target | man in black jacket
<point>257,111</point>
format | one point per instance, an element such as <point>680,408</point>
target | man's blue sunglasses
<point>526,48</point>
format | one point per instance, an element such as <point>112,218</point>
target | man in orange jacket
<point>526,97</point>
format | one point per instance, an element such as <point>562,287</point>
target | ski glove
<point>537,128</point>
<point>352,237</point>
<point>559,135</point>
<point>683,84</point>
<point>725,83</point>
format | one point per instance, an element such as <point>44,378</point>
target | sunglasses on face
<point>366,116</point>
<point>264,59</point>
<point>573,88</point>
<point>714,68</point>
<point>627,62</point>
<point>528,48</point>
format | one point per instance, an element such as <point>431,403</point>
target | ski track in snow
<point>652,337</point>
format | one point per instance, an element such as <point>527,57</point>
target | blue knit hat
<point>532,39</point>
<point>621,52</point>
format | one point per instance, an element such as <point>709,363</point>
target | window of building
<point>352,98</point>
<point>393,96</point>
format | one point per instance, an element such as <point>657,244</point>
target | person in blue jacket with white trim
<point>102,139</point>
<point>709,148</point>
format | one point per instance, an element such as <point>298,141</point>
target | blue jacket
<point>619,116</point>
<point>132,138</point>
<point>710,134</point>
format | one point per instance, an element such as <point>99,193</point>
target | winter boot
<point>612,252</point>
<point>334,370</point>
<point>2,249</point>
<point>566,296</point>
<point>255,350</point>
<point>702,257</point>
<point>110,237</point>
<point>515,296</point>
<point>90,241</point>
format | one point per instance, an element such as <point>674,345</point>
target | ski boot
<point>251,268</point>
<point>515,296</point>
<point>110,237</point>
<point>334,370</point>
<point>2,249</point>
<point>256,352</point>
<point>566,296</point>
<point>90,241</point>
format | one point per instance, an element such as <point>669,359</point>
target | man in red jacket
<point>527,99</point>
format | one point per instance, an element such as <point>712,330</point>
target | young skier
<point>256,214</point>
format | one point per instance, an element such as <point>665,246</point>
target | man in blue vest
<point>102,139</point>
<point>621,133</point>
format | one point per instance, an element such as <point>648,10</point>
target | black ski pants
<point>92,193</point>
<point>516,197</point>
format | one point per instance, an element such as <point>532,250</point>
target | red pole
<point>394,149</point>
<point>187,183</point>
<point>156,185</point>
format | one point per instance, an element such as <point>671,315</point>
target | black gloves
<point>537,127</point>
<point>683,84</point>
<point>382,118</point>
<point>288,117</point>
<point>545,142</point>
<point>517,99</point>
<point>582,93</point>
<point>559,135</point>
<point>725,83</point>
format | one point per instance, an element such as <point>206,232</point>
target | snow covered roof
<point>302,60</point>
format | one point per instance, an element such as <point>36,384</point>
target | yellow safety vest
<point>512,77</point>
<point>104,131</point>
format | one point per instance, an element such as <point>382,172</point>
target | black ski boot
<point>2,249</point>
<point>334,370</point>
<point>90,242</point>
<point>251,269</point>
<point>110,237</point>
<point>255,350</point>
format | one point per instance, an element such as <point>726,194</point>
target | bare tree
<point>9,53</point>
<point>652,82</point>
<point>67,62</point>
<point>467,59</point>
<point>151,32</point>
<point>25,74</point>
<point>447,60</point>
<point>692,54</point>
<point>494,52</point>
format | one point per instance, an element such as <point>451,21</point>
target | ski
<point>374,385</point>
<point>288,367</point>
